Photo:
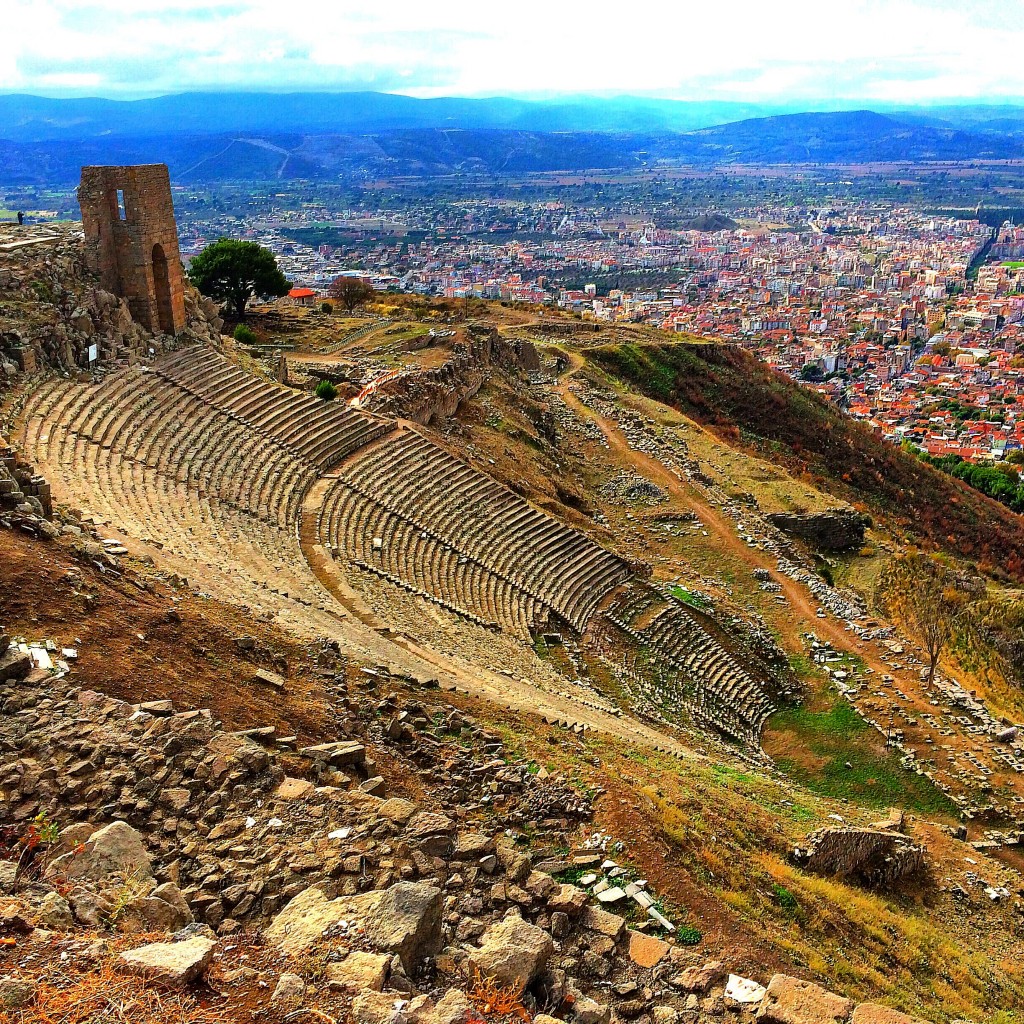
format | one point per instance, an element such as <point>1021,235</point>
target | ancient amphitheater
<point>328,518</point>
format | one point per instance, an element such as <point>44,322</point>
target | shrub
<point>326,307</point>
<point>244,335</point>
<point>326,390</point>
<point>687,935</point>
<point>785,898</point>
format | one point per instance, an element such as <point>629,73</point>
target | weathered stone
<point>587,1011</point>
<point>433,833</point>
<point>700,979</point>
<point>514,952</point>
<point>872,1013</point>
<point>397,810</point>
<point>54,913</point>
<point>16,993</point>
<point>149,914</point>
<point>597,920</point>
<point>359,972</point>
<point>170,964</point>
<point>568,899</point>
<point>115,848</point>
<point>794,1001</point>
<point>472,846</point>
<point>289,991</point>
<point>406,919</point>
<point>294,789</point>
<point>375,1007</point>
<point>304,920</point>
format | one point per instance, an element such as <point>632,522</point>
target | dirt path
<point>800,601</point>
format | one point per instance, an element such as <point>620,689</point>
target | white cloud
<point>894,50</point>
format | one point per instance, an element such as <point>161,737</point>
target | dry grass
<point>105,994</point>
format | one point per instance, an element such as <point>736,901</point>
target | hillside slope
<point>730,391</point>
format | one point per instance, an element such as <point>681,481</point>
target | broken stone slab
<point>294,789</point>
<point>700,979</point>
<point>601,921</point>
<point>743,991</point>
<point>660,919</point>
<point>265,677</point>
<point>359,972</point>
<point>567,899</point>
<point>342,752</point>
<point>611,895</point>
<point>795,1001</point>
<point>645,950</point>
<point>170,964</point>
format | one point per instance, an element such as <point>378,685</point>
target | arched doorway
<point>162,289</point>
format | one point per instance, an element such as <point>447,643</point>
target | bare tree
<point>930,598</point>
<point>351,292</point>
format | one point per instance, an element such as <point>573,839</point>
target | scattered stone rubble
<point>168,824</point>
<point>25,501</point>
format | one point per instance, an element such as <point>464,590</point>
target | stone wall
<point>833,530</point>
<point>436,394</point>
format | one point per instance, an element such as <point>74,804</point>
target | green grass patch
<point>688,597</point>
<point>834,736</point>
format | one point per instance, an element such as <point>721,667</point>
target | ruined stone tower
<point>131,241</point>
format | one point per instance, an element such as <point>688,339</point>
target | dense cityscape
<point>908,320</point>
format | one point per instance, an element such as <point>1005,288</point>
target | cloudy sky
<point>901,51</point>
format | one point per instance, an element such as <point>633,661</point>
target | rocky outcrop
<point>53,312</point>
<point>879,858</point>
<point>837,529</point>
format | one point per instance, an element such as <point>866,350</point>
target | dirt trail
<point>724,529</point>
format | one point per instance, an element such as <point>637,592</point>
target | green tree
<point>326,390</point>
<point>244,335</point>
<point>231,271</point>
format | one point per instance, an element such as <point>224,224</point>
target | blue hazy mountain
<point>325,136</point>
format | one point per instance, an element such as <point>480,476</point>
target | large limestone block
<point>514,952</point>
<point>406,919</point>
<point>794,1001</point>
<point>170,964</point>
<point>872,1013</point>
<point>114,849</point>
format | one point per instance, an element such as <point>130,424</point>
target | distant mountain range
<point>321,136</point>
